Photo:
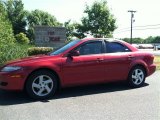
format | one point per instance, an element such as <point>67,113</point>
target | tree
<point>38,17</point>
<point>17,15</point>
<point>150,39</point>
<point>135,40</point>
<point>71,30</point>
<point>156,39</point>
<point>138,40</point>
<point>6,33</point>
<point>98,20</point>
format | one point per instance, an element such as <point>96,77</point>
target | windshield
<point>65,47</point>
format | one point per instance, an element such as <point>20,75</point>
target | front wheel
<point>41,84</point>
<point>137,76</point>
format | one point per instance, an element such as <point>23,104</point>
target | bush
<point>39,50</point>
<point>22,38</point>
<point>12,51</point>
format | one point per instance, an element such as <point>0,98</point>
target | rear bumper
<point>151,69</point>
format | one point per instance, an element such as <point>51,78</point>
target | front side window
<point>113,47</point>
<point>65,47</point>
<point>90,48</point>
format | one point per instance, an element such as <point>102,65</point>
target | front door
<point>86,68</point>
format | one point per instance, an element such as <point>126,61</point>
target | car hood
<point>29,59</point>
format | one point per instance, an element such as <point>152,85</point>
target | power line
<point>139,26</point>
<point>147,28</point>
<point>148,25</point>
<point>136,29</point>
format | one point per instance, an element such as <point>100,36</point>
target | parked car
<point>158,47</point>
<point>146,46</point>
<point>80,62</point>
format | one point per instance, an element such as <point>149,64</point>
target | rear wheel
<point>41,84</point>
<point>137,76</point>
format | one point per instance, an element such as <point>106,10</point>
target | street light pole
<point>132,16</point>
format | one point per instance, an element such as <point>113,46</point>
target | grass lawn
<point>157,62</point>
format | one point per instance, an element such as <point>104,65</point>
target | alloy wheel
<point>42,85</point>
<point>138,76</point>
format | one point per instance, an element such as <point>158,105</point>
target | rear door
<point>117,61</point>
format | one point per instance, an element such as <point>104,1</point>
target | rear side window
<point>113,47</point>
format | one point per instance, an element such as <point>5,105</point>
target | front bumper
<point>12,80</point>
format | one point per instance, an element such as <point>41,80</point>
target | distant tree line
<point>150,39</point>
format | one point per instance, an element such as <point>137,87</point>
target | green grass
<point>157,62</point>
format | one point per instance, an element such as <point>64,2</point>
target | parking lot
<point>114,101</point>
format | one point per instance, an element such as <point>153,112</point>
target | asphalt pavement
<point>113,101</point>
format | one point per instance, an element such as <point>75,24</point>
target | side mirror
<point>73,53</point>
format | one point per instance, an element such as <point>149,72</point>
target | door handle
<point>100,59</point>
<point>130,57</point>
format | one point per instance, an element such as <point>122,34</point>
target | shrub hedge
<point>39,50</point>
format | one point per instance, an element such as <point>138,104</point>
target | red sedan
<point>80,62</point>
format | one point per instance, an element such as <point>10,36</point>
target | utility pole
<point>132,16</point>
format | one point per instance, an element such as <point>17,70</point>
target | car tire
<point>41,84</point>
<point>136,77</point>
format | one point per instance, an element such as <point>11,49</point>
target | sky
<point>147,17</point>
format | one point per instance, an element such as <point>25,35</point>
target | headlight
<point>10,68</point>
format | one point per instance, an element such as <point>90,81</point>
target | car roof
<point>106,39</point>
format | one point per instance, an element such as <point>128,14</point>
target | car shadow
<point>13,98</point>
